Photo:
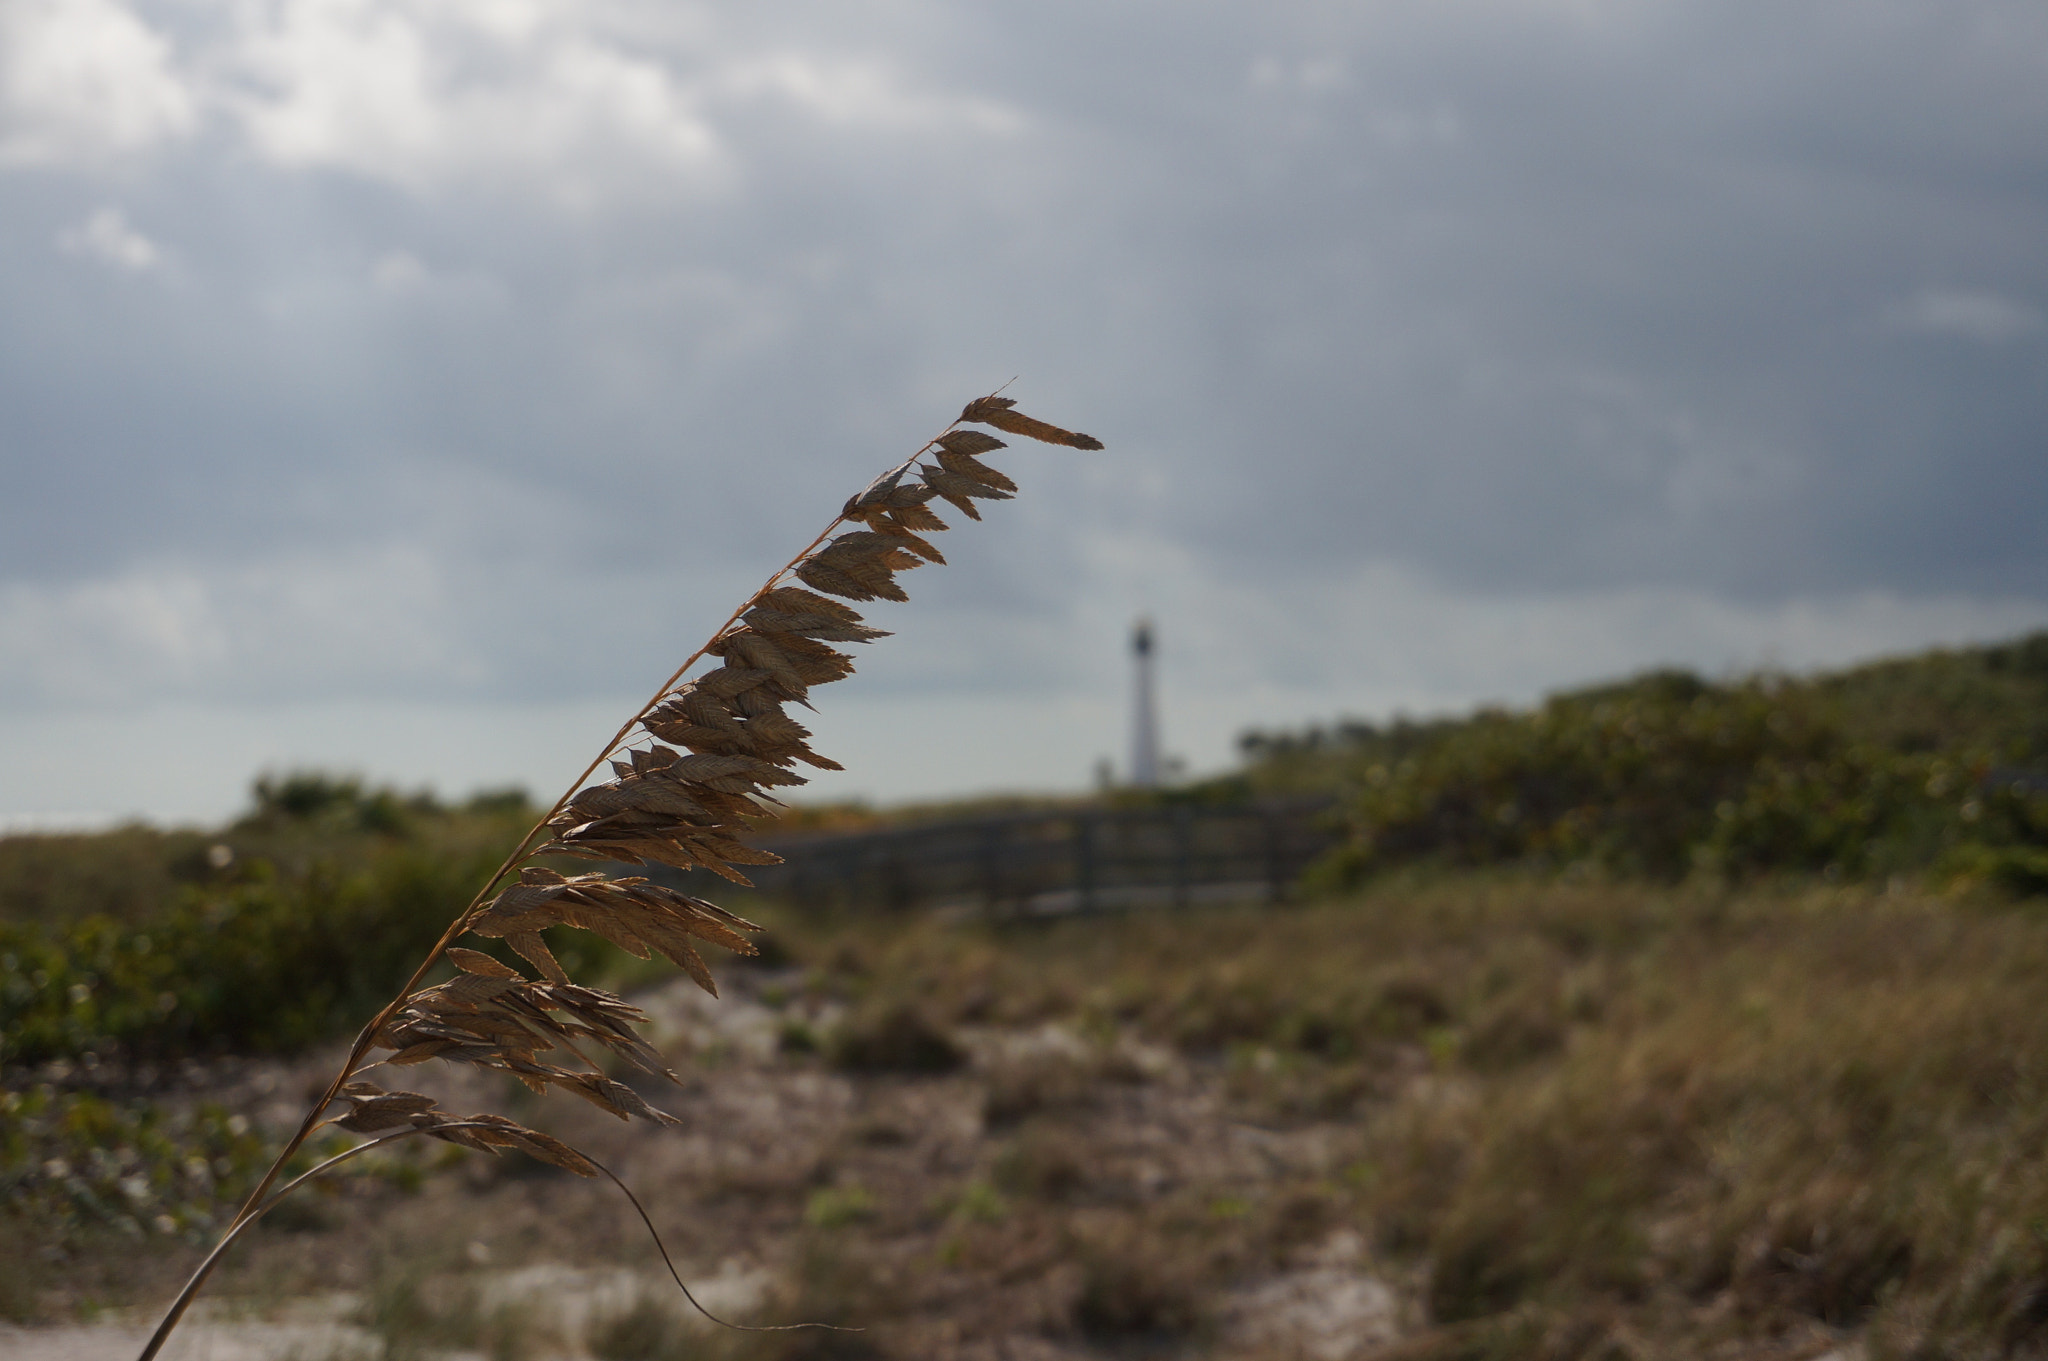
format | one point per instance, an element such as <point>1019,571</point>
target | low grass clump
<point>894,1037</point>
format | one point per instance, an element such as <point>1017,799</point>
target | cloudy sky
<point>405,385</point>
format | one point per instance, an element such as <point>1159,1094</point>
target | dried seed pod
<point>885,493</point>
<point>796,600</point>
<point>373,1110</point>
<point>912,543</point>
<point>970,442</point>
<point>726,682</point>
<point>866,545</point>
<point>808,624</point>
<point>863,581</point>
<point>966,465</point>
<point>959,490</point>
<point>997,411</point>
<point>759,652</point>
<point>697,706</point>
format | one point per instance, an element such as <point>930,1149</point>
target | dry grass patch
<point>1568,1121</point>
<point>1832,1113</point>
<point>1587,1114</point>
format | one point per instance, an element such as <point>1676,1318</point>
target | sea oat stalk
<point>686,805</point>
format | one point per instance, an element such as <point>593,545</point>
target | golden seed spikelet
<point>997,411</point>
<point>968,466</point>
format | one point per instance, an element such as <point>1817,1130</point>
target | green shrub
<point>264,965</point>
<point>1669,774</point>
<point>268,946</point>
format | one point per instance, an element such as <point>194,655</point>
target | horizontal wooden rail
<point>1052,862</point>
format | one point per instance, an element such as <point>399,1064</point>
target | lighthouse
<point>1144,711</point>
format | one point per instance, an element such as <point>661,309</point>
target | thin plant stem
<point>248,1220</point>
<point>245,1220</point>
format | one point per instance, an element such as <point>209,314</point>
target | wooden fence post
<point>1084,861</point>
<point>1276,869</point>
<point>1182,871</point>
<point>991,866</point>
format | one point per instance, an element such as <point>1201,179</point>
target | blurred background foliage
<point>294,922</point>
<point>291,924</point>
<point>80,1159</point>
<point>1934,764</point>
<point>1664,993</point>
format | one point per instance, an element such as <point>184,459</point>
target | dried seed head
<point>685,805</point>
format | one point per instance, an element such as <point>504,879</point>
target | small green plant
<point>795,1036</point>
<point>835,1207</point>
<point>981,1203</point>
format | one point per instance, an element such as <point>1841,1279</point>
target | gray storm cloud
<point>387,352</point>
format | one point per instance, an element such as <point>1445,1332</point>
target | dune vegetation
<point>1672,1018</point>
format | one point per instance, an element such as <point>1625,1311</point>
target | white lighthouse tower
<point>1144,711</point>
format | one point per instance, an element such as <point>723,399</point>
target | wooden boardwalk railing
<point>1052,862</point>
